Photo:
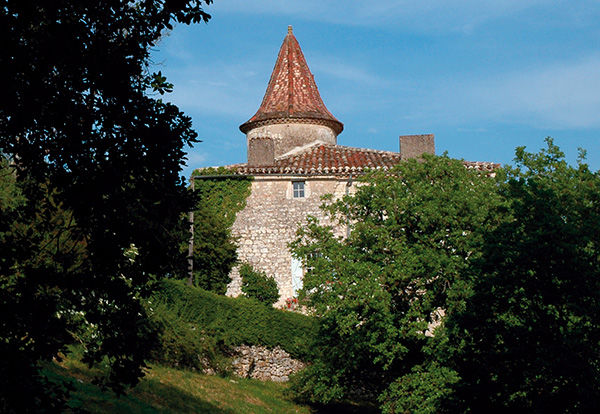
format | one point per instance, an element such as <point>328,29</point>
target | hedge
<point>237,321</point>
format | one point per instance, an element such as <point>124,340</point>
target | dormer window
<point>298,189</point>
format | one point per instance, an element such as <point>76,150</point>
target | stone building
<point>294,158</point>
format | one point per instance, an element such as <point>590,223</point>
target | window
<point>298,187</point>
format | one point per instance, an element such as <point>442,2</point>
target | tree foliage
<point>380,291</point>
<point>220,198</point>
<point>39,245</point>
<point>511,264</point>
<point>419,392</point>
<point>257,285</point>
<point>97,162</point>
<point>528,339</point>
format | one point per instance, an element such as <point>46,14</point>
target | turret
<point>292,113</point>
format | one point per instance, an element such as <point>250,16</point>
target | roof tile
<point>328,159</point>
<point>292,93</point>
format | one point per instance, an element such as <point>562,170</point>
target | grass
<point>170,390</point>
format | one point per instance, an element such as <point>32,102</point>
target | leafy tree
<point>215,251</point>
<point>528,339</point>
<point>220,198</point>
<point>10,196</point>
<point>380,292</point>
<point>257,285</point>
<point>41,247</point>
<point>97,162</point>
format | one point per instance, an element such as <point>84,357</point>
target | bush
<point>183,344</point>
<point>236,321</point>
<point>257,285</point>
<point>420,392</point>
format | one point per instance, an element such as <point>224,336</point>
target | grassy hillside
<point>194,325</point>
<point>170,390</point>
<point>197,325</point>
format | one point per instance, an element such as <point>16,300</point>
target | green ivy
<point>221,196</point>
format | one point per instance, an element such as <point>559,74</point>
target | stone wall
<point>288,136</point>
<point>270,221</point>
<point>264,364</point>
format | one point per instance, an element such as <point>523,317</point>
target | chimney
<point>261,152</point>
<point>413,146</point>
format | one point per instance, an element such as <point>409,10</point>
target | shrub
<point>236,321</point>
<point>419,392</point>
<point>291,304</point>
<point>257,285</point>
<point>183,344</point>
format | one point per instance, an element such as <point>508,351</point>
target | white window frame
<point>298,189</point>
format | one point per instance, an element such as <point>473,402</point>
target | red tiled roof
<point>328,159</point>
<point>482,165</point>
<point>292,93</point>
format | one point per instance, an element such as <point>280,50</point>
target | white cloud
<point>236,89</point>
<point>556,96</point>
<point>196,157</point>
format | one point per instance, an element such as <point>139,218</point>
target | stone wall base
<point>264,364</point>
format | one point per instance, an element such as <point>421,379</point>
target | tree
<point>528,338</point>
<point>40,248</point>
<point>97,162</point>
<point>221,196</point>
<point>380,292</point>
<point>215,251</point>
<point>257,285</point>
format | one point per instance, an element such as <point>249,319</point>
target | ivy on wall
<point>221,196</point>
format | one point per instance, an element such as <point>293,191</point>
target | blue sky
<point>483,76</point>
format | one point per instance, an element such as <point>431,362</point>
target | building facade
<point>294,158</point>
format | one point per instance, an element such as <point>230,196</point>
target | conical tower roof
<point>292,95</point>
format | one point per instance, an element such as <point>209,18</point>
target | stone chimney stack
<point>261,151</point>
<point>413,146</point>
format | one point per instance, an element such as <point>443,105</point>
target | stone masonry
<point>284,138</point>
<point>264,364</point>
<point>270,221</point>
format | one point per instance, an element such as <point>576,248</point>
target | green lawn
<point>169,390</point>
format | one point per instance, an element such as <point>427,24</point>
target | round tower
<point>292,113</point>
